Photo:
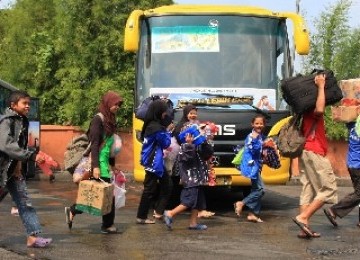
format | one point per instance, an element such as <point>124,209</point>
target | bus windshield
<point>204,58</point>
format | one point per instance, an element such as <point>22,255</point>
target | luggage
<point>345,114</point>
<point>95,197</point>
<point>300,92</point>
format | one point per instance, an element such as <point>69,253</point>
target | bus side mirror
<point>132,31</point>
<point>301,33</point>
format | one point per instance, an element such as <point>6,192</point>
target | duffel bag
<point>300,92</point>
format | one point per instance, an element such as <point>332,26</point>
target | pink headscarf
<point>108,100</point>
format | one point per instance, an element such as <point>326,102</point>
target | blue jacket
<point>251,162</point>
<point>353,156</point>
<point>152,152</point>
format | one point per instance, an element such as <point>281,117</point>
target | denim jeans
<point>253,200</point>
<point>18,191</point>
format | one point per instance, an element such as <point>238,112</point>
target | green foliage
<point>335,46</point>
<point>69,53</point>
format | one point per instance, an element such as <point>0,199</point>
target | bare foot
<point>205,214</point>
<point>255,219</point>
<point>238,207</point>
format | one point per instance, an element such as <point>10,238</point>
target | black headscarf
<point>153,120</point>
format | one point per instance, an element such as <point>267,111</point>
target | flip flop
<point>303,227</point>
<point>157,216</point>
<point>144,221</point>
<point>41,242</point>
<point>303,236</point>
<point>330,216</point>
<point>198,227</point>
<point>68,218</point>
<point>168,220</point>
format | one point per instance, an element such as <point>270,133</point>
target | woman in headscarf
<point>101,137</point>
<point>156,137</point>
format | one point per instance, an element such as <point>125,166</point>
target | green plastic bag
<point>238,157</point>
<point>357,126</point>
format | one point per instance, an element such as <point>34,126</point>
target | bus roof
<point>212,9</point>
<point>7,85</point>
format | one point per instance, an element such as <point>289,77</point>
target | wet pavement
<point>227,237</point>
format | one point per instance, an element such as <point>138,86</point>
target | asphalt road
<point>227,237</point>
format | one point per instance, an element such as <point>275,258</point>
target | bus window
<point>33,116</point>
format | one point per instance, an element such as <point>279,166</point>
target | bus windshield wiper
<point>148,47</point>
<point>246,100</point>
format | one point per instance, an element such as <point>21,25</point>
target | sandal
<point>198,227</point>
<point>41,242</point>
<point>109,230</point>
<point>68,217</point>
<point>303,227</point>
<point>144,221</point>
<point>303,235</point>
<point>168,220</point>
<point>331,217</point>
<point>157,216</point>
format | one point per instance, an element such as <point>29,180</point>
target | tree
<point>335,46</point>
<point>68,53</point>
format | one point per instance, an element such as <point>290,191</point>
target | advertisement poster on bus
<point>231,98</point>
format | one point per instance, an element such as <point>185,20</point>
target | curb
<point>66,177</point>
<point>341,182</point>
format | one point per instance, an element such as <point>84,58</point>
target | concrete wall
<point>54,140</point>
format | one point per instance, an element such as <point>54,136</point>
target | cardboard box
<point>350,88</point>
<point>345,113</point>
<point>95,197</point>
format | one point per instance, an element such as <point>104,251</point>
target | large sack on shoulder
<point>300,92</point>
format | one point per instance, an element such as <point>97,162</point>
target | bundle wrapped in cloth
<point>270,154</point>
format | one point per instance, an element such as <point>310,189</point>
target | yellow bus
<point>225,60</point>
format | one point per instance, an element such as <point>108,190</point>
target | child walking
<point>189,117</point>
<point>251,165</point>
<point>352,200</point>
<point>14,126</point>
<point>156,137</point>
<point>194,174</point>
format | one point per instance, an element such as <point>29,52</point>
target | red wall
<point>55,138</point>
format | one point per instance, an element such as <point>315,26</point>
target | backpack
<point>291,141</point>
<point>76,149</point>
<point>141,110</point>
